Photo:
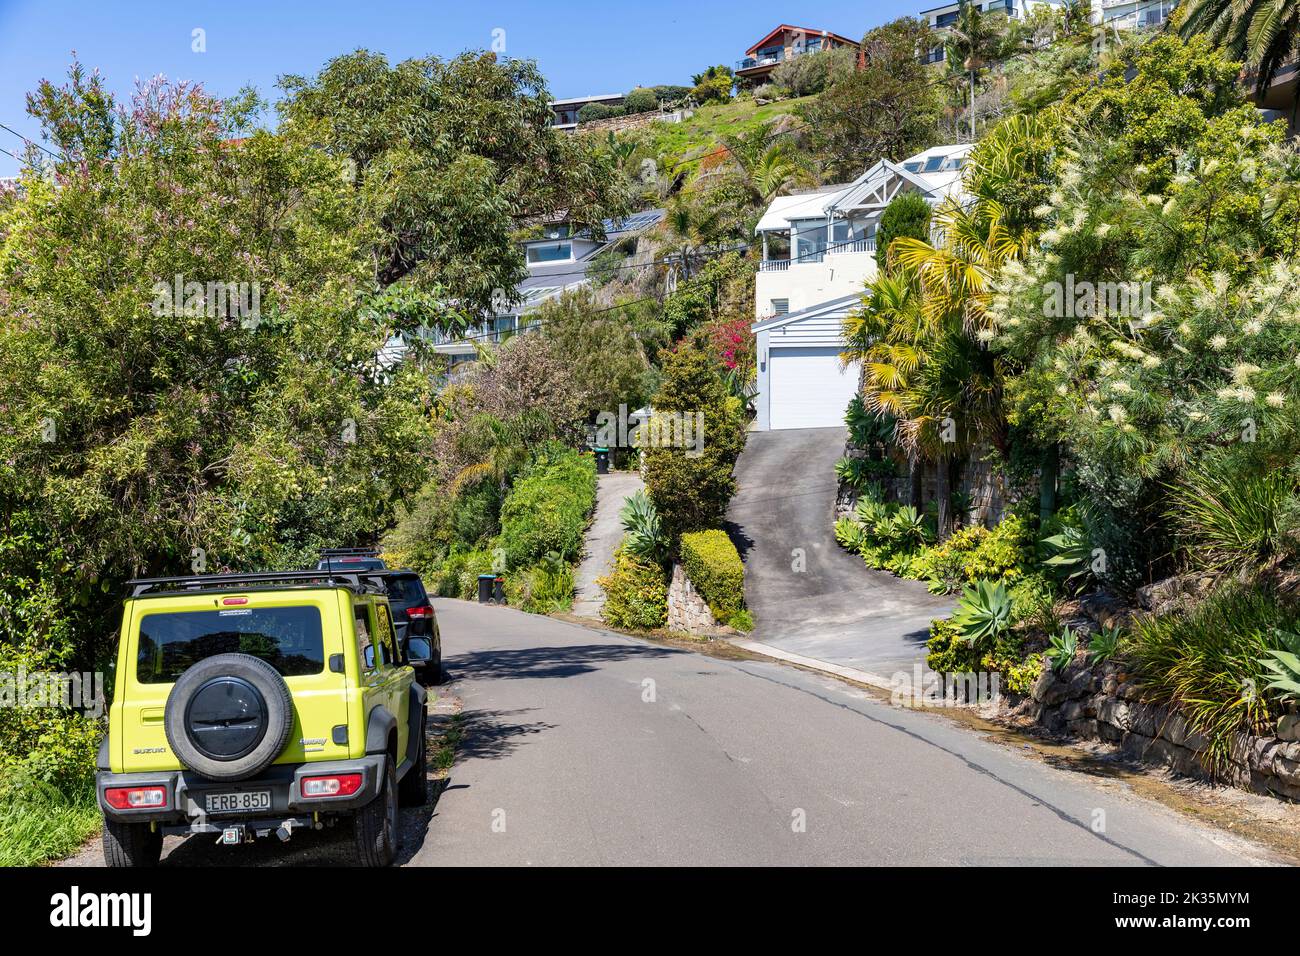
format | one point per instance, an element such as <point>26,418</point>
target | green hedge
<point>547,508</point>
<point>713,566</point>
<point>636,593</point>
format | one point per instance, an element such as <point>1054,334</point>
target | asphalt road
<point>584,747</point>
<point>810,596</point>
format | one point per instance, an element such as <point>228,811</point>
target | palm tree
<point>972,42</point>
<point>1263,34</point>
<point>691,226</point>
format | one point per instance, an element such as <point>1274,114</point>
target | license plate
<point>245,801</point>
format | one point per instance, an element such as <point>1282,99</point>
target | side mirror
<point>418,649</point>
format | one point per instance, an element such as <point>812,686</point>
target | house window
<point>780,306</point>
<point>550,252</point>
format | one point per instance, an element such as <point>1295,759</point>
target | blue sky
<point>582,47</point>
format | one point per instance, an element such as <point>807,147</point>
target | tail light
<point>420,613</point>
<point>334,785</point>
<point>136,798</point>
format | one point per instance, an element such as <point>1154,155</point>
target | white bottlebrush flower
<point>1184,328</point>
<point>1043,211</point>
<point>1117,414</point>
<point>1182,179</point>
<point>1166,294</point>
<point>1275,399</point>
<point>1122,388</point>
<point>1102,230</point>
<point>1219,343</point>
<point>1246,394</point>
<point>1242,371</point>
<point>1049,237</point>
<point>985,336</point>
<point>1062,390</point>
<point>1057,198</point>
<point>1150,361</point>
<point>1154,199</point>
<point>1253,327</point>
<point>1196,416</point>
<point>1224,394</point>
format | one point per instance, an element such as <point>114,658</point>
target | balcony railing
<point>838,249</point>
<point>750,62</point>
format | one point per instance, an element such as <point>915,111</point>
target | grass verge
<point>39,823</point>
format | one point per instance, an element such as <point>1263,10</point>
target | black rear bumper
<point>186,793</point>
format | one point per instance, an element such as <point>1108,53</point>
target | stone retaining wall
<point>687,611</point>
<point>1103,704</point>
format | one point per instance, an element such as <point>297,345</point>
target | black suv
<point>416,623</point>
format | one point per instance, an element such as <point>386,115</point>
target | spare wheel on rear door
<point>229,716</point>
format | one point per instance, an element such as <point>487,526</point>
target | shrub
<point>1227,515</point>
<point>640,100</point>
<point>40,822</point>
<point>544,588</point>
<point>948,653</point>
<point>906,215</point>
<point>1207,662</point>
<point>713,566</point>
<point>691,488</point>
<point>858,473</point>
<point>742,620</point>
<point>547,508</point>
<point>598,111</point>
<point>976,553</point>
<point>813,72</point>
<point>636,593</point>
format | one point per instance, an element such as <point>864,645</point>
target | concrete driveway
<point>810,596</point>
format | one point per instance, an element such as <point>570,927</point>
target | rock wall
<point>687,611</point>
<point>1102,703</point>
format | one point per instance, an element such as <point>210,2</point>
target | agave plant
<point>910,529</point>
<point>644,536</point>
<point>1070,553</point>
<point>1103,645</point>
<point>1283,666</point>
<point>1061,651</point>
<point>983,613</point>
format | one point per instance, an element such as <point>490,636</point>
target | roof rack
<point>353,580</point>
<point>349,552</point>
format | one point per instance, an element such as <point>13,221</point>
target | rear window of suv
<point>405,590</point>
<point>287,638</point>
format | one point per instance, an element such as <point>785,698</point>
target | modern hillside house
<point>784,43</point>
<point>557,261</point>
<point>942,17</point>
<point>566,111</point>
<point>1132,14</point>
<point>819,250</point>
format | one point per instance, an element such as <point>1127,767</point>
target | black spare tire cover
<point>229,716</point>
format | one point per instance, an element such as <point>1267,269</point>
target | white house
<point>557,261</point>
<point>819,250</point>
<point>1132,14</point>
<point>942,17</point>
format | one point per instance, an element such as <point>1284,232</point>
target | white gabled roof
<point>841,304</point>
<point>875,187</point>
<point>799,206</point>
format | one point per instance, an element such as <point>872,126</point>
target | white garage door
<point>809,389</point>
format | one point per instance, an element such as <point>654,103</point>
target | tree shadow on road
<point>560,661</point>
<point>496,733</point>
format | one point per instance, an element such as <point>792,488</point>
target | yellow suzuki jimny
<point>252,704</point>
